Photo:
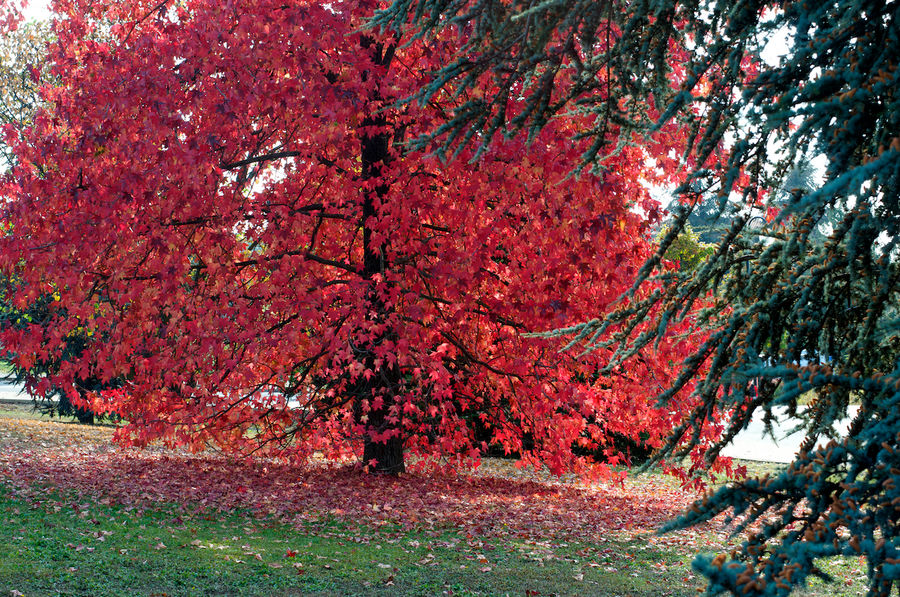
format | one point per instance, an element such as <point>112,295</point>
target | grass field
<point>60,548</point>
<point>82,517</point>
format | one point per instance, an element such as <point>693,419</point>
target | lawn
<point>81,516</point>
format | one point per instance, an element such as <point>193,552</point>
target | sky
<point>37,10</point>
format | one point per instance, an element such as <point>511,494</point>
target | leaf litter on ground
<point>499,501</point>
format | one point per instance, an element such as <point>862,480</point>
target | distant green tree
<point>791,314</point>
<point>687,249</point>
<point>800,181</point>
<point>709,221</point>
<point>50,399</point>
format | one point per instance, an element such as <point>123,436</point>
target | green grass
<point>58,544</point>
<point>61,547</point>
<point>27,411</point>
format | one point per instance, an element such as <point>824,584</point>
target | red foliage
<point>224,205</point>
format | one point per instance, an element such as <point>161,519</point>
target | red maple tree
<point>223,202</point>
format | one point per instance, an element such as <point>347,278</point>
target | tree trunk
<point>388,455</point>
<point>375,155</point>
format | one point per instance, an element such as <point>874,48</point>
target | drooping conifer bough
<point>799,326</point>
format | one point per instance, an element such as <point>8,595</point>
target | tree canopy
<point>792,314</point>
<point>222,207</point>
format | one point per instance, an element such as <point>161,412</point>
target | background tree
<point>227,201</point>
<point>804,316</point>
<point>687,249</point>
<point>22,53</point>
<point>709,220</point>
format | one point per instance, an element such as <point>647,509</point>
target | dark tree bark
<point>375,155</point>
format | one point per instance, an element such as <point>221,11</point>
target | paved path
<point>12,393</point>
<point>751,444</point>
